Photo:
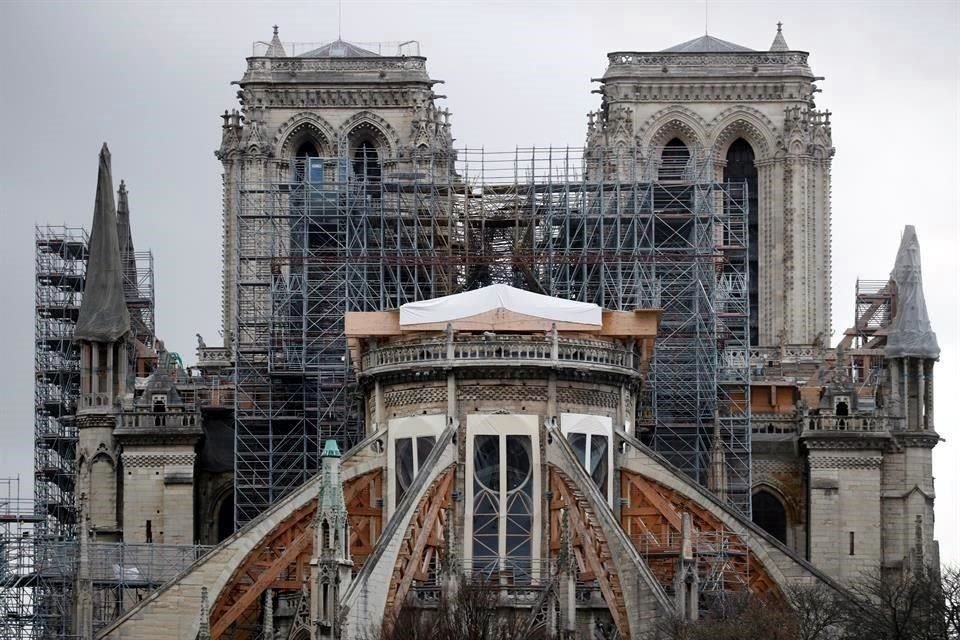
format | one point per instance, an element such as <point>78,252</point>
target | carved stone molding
<point>845,462</point>
<point>136,460</point>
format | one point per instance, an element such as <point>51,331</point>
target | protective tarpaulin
<point>499,296</point>
<point>911,335</point>
<point>103,312</point>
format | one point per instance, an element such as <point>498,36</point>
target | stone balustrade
<point>501,351</point>
<point>151,419</point>
<point>855,423</point>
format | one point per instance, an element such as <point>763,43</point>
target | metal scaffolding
<point>61,265</point>
<point>138,291</point>
<point>325,240</point>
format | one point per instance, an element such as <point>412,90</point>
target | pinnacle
<point>779,42</point>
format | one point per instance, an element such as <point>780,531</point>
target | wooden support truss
<point>281,560</point>
<point>652,518</point>
<point>422,543</point>
<point>590,549</point>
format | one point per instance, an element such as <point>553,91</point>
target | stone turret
<point>103,329</point>
<point>331,565</point>
<point>911,351</point>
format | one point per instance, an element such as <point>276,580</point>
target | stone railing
<point>258,67</point>
<point>774,424</point>
<point>151,419</point>
<point>693,59</point>
<point>501,351</point>
<point>855,424</point>
<point>211,356</point>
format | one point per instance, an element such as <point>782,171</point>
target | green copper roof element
<point>330,449</point>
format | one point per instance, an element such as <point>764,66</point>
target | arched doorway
<point>770,515</point>
<point>225,526</point>
<point>741,168</point>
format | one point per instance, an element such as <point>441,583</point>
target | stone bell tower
<point>708,109</point>
<point>103,330</point>
<point>373,110</point>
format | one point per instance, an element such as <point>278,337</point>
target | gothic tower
<point>328,139</point>
<point>911,352</point>
<point>103,328</point>
<point>376,111</point>
<point>719,110</point>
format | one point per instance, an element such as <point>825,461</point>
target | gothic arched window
<point>673,161</point>
<point>366,161</point>
<point>301,160</point>
<point>503,500</point>
<point>770,515</point>
<point>741,173</point>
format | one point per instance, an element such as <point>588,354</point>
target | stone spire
<point>103,312</point>
<point>910,335</point>
<point>331,566</point>
<point>125,236</point>
<point>779,42</point>
<point>330,500</point>
<point>276,50</point>
<point>717,471</point>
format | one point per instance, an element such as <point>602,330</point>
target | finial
<point>779,27</point>
<point>330,449</point>
<point>276,30</point>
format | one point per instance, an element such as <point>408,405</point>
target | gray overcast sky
<point>151,79</point>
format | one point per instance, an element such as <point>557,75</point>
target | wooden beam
<point>659,502</point>
<point>592,558</point>
<point>410,569</point>
<point>262,583</point>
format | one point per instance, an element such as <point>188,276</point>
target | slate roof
<point>103,312</point>
<point>339,49</point>
<point>706,44</point>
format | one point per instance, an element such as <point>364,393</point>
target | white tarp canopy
<point>499,296</point>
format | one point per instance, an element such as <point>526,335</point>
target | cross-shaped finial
<point>779,27</point>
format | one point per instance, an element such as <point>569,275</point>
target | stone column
<point>110,380</point>
<point>928,397</point>
<point>921,396</point>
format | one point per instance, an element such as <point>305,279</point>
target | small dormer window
<point>159,402</point>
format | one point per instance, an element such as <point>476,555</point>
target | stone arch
<point>222,502</point>
<point>743,122</point>
<point>102,455</point>
<point>672,122</point>
<point>770,512</point>
<point>373,126</point>
<point>300,127</point>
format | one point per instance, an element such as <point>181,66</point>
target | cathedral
<point>598,382</point>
